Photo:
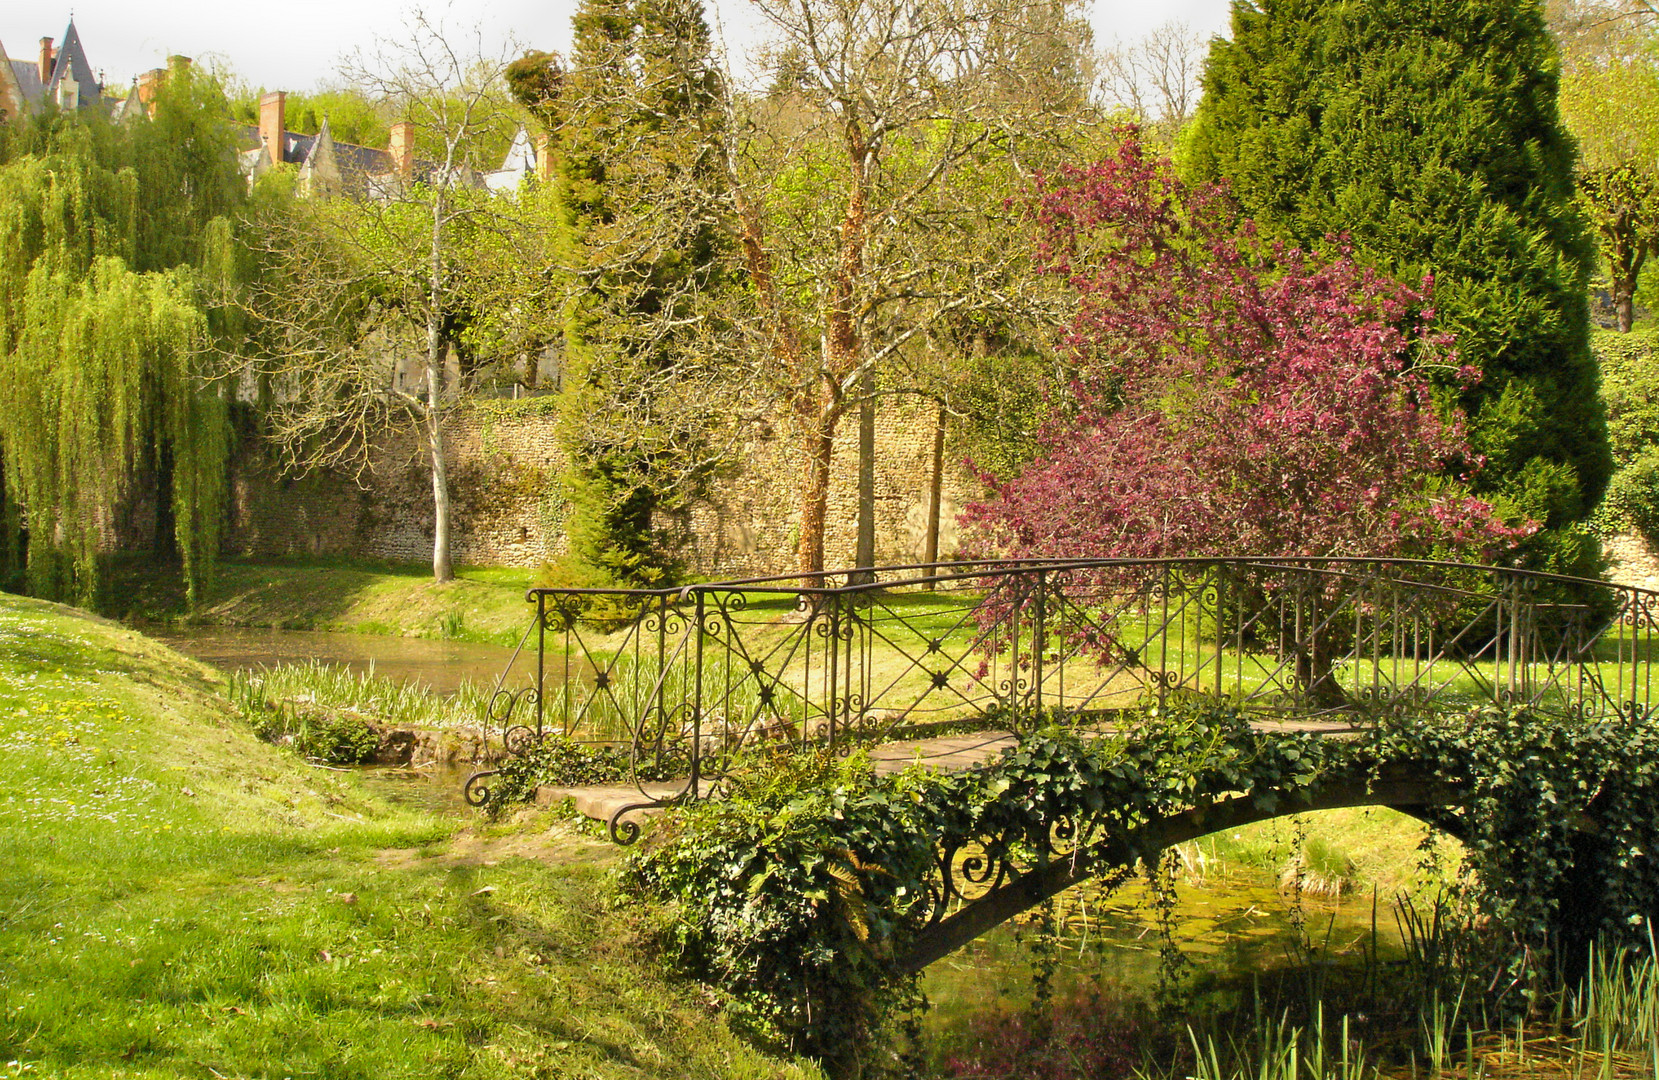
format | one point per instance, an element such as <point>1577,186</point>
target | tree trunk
<point>935,494</point>
<point>865,555</point>
<point>1627,271</point>
<point>1624,303</point>
<point>436,355</point>
<point>817,445</point>
<point>441,569</point>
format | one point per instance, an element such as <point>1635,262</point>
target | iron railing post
<point>697,703</point>
<point>1039,641</point>
<point>1220,633</point>
<point>541,661</point>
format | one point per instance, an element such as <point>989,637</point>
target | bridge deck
<point>946,753</point>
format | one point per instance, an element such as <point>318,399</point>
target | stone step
<point>602,802</point>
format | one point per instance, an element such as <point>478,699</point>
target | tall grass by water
<point>391,702</point>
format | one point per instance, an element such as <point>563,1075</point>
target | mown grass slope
<point>179,899</point>
<point>480,604</point>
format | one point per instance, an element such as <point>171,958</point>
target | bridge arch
<point>1413,790</point>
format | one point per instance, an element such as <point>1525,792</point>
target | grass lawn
<point>482,604</point>
<point>180,899</point>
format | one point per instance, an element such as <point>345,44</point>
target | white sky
<point>297,43</point>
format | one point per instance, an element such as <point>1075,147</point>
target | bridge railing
<point>690,680</point>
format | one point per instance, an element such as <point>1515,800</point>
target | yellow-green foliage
<point>114,255</point>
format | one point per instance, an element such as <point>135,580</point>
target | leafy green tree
<point>114,297</point>
<point>1610,102</point>
<point>1426,133</point>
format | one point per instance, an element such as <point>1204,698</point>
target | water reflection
<point>1236,923</point>
<point>435,788</point>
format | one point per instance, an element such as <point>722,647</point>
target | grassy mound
<point>180,899</point>
<point>480,604</point>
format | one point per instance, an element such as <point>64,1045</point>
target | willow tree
<point>116,241</point>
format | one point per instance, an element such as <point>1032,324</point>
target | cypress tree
<point>1426,133</point>
<point>638,117</point>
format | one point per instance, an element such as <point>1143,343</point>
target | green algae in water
<point>1232,927</point>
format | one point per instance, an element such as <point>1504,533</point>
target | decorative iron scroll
<point>695,683</point>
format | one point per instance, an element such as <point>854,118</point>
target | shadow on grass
<point>291,594</point>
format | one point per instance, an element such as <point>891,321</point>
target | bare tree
<point>370,288</point>
<point>1590,31</point>
<point>871,188</point>
<point>1157,80</point>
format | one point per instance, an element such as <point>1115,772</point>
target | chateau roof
<point>27,74</point>
<point>72,64</point>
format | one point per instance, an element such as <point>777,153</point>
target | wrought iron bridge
<point>686,687</point>
<point>689,682</point>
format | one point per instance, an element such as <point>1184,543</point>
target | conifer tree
<point>119,251</point>
<point>638,126</point>
<point>1426,132</point>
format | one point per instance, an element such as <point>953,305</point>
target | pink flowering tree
<point>1236,397</point>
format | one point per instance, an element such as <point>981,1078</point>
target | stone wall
<point>748,524</point>
<point>1634,563</point>
<point>504,467</point>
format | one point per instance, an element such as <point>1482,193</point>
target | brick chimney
<point>149,84</point>
<point>48,57</point>
<point>273,130</point>
<point>402,148</point>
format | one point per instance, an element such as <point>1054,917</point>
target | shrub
<point>334,736</point>
<point>1632,502</point>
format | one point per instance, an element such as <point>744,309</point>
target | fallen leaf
<point>485,890</point>
<point>348,898</point>
<point>323,955</point>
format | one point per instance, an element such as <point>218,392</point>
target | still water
<point>1229,924</point>
<point>440,666</point>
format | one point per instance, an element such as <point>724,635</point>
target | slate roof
<point>71,63</point>
<point>27,74</point>
<point>297,150</point>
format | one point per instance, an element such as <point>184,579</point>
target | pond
<point>440,666</point>
<point>1238,933</point>
<point>1239,921</point>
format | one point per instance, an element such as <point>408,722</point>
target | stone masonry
<point>504,468</point>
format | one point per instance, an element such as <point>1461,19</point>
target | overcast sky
<point>295,44</point>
